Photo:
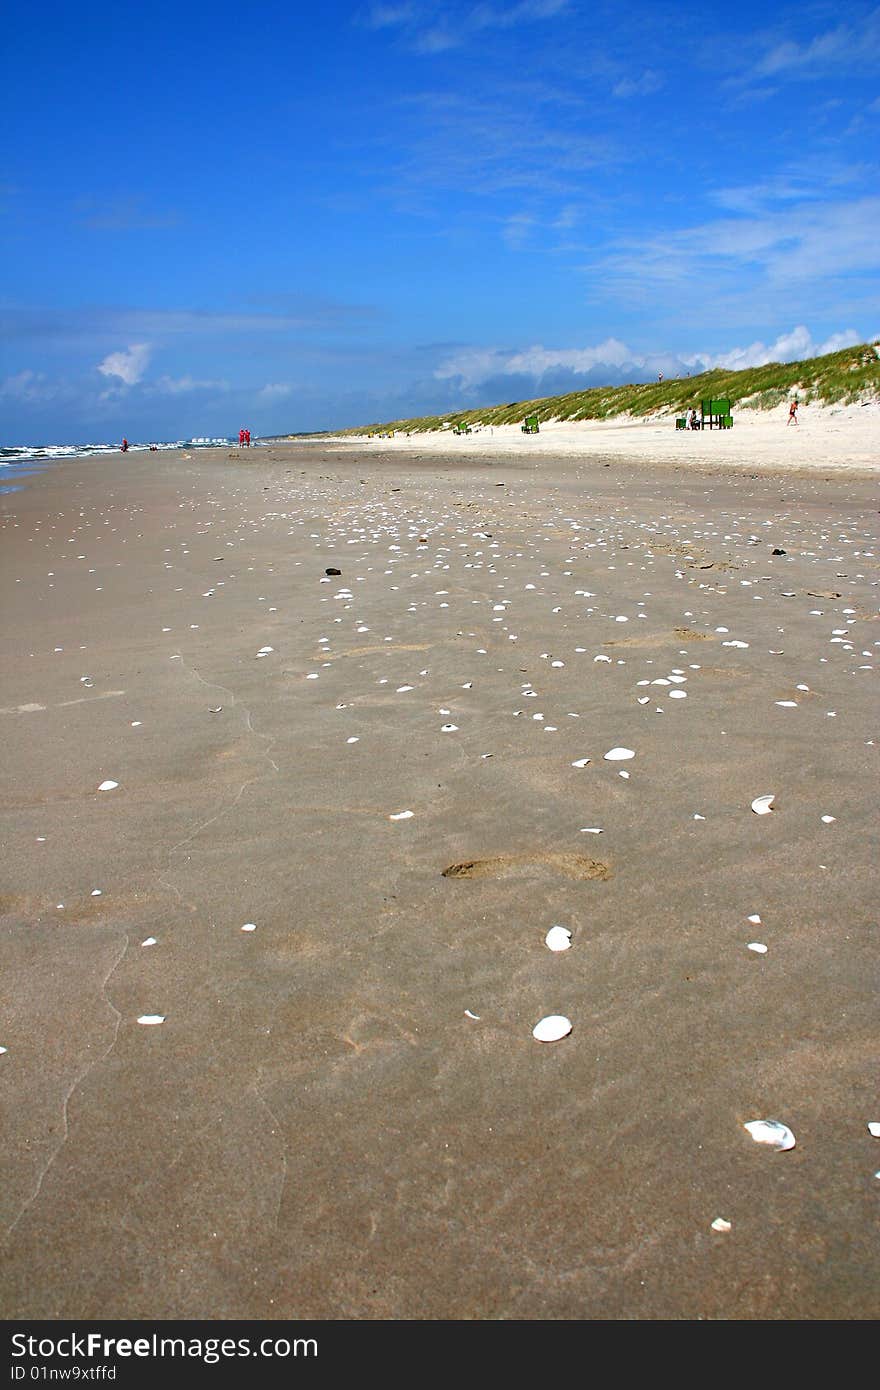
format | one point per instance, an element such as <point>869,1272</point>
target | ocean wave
<point>10,455</point>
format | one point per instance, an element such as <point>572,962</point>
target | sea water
<point>21,461</point>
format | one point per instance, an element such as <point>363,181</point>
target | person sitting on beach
<point>792,412</point>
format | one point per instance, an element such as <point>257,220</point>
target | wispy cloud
<point>124,214</point>
<point>31,388</point>
<point>96,321</point>
<point>275,390</point>
<point>847,45</point>
<point>758,259</point>
<point>642,86</point>
<point>184,385</point>
<point>432,27</point>
<point>497,145</point>
<point>127,366</point>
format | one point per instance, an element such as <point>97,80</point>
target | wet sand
<point>319,1129</point>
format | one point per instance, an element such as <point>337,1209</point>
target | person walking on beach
<point>792,412</point>
<point>241,439</point>
<point>125,446</point>
<point>247,439</point>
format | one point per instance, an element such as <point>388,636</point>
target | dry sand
<point>319,1128</point>
<point>827,439</point>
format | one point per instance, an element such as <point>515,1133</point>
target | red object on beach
<point>241,439</point>
<point>125,446</point>
<point>247,438</point>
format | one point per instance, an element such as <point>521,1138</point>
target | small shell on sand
<point>552,1028</point>
<point>151,1019</point>
<point>558,938</point>
<point>762,805</point>
<point>618,755</point>
<point>771,1132</point>
<point>719,1224</point>
<point>108,786</point>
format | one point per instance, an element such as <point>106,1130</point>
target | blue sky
<point>293,219</point>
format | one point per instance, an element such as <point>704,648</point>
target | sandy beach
<point>268,997</point>
<point>826,439</point>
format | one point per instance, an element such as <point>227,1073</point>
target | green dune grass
<point>852,375</point>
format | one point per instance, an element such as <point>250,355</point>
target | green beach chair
<point>530,424</point>
<point>713,411</point>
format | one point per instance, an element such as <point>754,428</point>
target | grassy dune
<point>848,376</point>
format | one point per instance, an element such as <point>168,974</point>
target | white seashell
<point>874,1128</point>
<point>96,893</point>
<point>719,1224</point>
<point>643,699</point>
<point>829,820</point>
<point>755,917</point>
<point>734,644</point>
<point>758,947</point>
<point>448,728</point>
<point>771,1132</point>
<point>601,658</point>
<point>150,941</point>
<point>151,1019</point>
<point>402,688</point>
<point>215,710</point>
<point>623,774</point>
<point>618,755</point>
<point>697,816</point>
<point>558,939</point>
<point>108,786</point>
<point>552,1028</point>
<point>592,830</point>
<point>249,926</point>
<point>787,704</point>
<point>761,804</point>
<point>475,1017</point>
<point>581,762</point>
<point>352,740</point>
<point>401,815</point>
<point>678,695</point>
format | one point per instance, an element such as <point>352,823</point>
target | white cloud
<point>274,390</point>
<point>795,346</point>
<point>178,386</point>
<point>32,388</point>
<point>842,47</point>
<point>613,361</point>
<point>128,366</point>
<point>638,86</point>
<point>474,365</point>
